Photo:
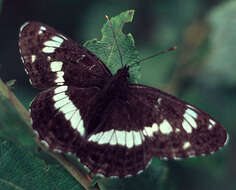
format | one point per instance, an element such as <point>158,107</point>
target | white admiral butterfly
<point>113,127</point>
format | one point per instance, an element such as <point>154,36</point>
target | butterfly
<point>112,126</point>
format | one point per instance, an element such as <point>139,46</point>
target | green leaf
<point>106,48</point>
<point>12,127</point>
<point>220,68</point>
<point>20,170</point>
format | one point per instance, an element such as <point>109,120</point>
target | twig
<point>70,167</point>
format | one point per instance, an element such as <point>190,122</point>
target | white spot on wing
<point>75,119</point>
<point>62,36</point>
<point>128,176</point>
<point>95,137</point>
<point>45,143</point>
<point>139,172</point>
<point>177,130</point>
<point>80,126</point>
<point>68,107</point>
<point>114,177</point>
<point>159,100</point>
<point>69,153</point>
<point>149,131</point>
<point>190,120</point>
<point>22,27</point>
<point>193,108</point>
<point>212,122</point>
<point>60,89</point>
<point>51,43</point>
<point>57,150</point>
<point>61,103</point>
<point>120,137</point>
<point>60,78</point>
<point>165,127</point>
<point>191,113</point>
<point>155,128</point>
<point>59,96</point>
<point>149,163</point>
<point>81,58</point>
<point>113,140</point>
<point>42,28</point>
<point>227,140</point>
<point>33,58</point>
<point>186,126</point>
<point>60,74</point>
<point>98,136</point>
<point>26,71</point>
<point>57,39</point>
<point>186,145</point>
<point>177,158</point>
<point>22,59</point>
<point>142,136</point>
<point>92,138</point>
<point>210,127</point>
<point>137,138</point>
<point>56,66</point>
<point>164,158</point>
<point>129,139</point>
<point>69,115</point>
<point>105,137</point>
<point>48,49</point>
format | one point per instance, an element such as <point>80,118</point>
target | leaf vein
<point>10,184</point>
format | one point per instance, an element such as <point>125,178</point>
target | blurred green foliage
<point>220,67</point>
<point>201,72</point>
<point>19,170</point>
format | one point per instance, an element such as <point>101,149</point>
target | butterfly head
<point>123,73</point>
<point>118,84</point>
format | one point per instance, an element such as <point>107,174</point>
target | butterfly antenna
<point>114,36</point>
<point>156,54</point>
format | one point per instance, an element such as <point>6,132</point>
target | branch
<point>69,166</point>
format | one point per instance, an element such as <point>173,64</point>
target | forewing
<point>52,59</point>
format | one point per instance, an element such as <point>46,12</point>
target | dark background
<point>201,71</point>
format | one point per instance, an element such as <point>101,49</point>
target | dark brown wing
<point>58,116</point>
<point>52,59</point>
<point>150,123</point>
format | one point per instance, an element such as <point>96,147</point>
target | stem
<point>5,92</point>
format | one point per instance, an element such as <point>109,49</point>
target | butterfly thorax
<point>115,90</point>
<point>116,87</point>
